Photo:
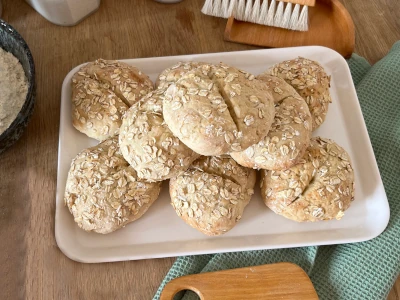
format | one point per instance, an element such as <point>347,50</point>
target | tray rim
<point>75,255</point>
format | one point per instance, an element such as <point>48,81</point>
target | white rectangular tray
<point>161,233</point>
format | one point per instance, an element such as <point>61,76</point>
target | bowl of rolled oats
<point>17,85</point>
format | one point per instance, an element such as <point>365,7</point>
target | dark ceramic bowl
<point>12,42</point>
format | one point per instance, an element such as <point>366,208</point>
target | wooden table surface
<point>31,265</point>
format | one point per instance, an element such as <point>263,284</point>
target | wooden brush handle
<point>301,2</point>
<point>326,19</point>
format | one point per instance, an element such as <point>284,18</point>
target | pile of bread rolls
<point>207,128</point>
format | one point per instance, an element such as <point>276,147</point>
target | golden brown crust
<point>102,190</point>
<point>285,143</point>
<point>249,102</point>
<point>96,111</point>
<point>278,87</point>
<point>195,112</point>
<point>212,194</point>
<point>102,91</point>
<point>217,109</point>
<point>312,83</point>
<point>148,144</point>
<point>174,73</point>
<point>126,81</point>
<point>320,187</point>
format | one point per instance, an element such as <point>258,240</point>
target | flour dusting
<point>13,89</point>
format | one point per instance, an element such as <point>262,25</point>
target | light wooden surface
<point>326,19</point>
<point>31,265</point>
<point>284,281</point>
<point>301,2</point>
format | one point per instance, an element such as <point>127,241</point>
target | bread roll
<point>103,192</point>
<point>126,81</point>
<point>212,194</point>
<point>148,144</point>
<point>102,91</point>
<point>290,132</point>
<point>312,83</point>
<point>96,110</point>
<point>320,187</point>
<point>219,111</point>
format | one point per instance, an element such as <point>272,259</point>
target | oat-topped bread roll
<point>224,111</point>
<point>312,83</point>
<point>103,192</point>
<point>290,132</point>
<point>174,73</point>
<point>320,187</point>
<point>101,93</point>
<point>212,194</point>
<point>148,144</point>
<point>96,110</point>
<point>126,81</point>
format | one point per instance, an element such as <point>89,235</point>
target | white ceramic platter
<point>161,233</point>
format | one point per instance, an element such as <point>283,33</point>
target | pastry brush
<point>289,14</point>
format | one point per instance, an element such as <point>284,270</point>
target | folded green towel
<point>364,270</point>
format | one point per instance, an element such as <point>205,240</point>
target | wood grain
<point>326,20</point>
<point>301,2</point>
<point>395,292</point>
<point>32,266</point>
<point>284,281</point>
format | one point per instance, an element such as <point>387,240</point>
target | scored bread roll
<point>212,194</point>
<point>217,109</point>
<point>102,91</point>
<point>249,102</point>
<point>198,122</point>
<point>312,83</point>
<point>290,133</point>
<point>96,110</point>
<point>148,144</point>
<point>102,191</point>
<point>319,187</point>
<point>126,81</point>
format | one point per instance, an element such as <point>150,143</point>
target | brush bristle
<point>225,9</point>
<point>248,10</point>
<point>265,12</point>
<point>255,15</point>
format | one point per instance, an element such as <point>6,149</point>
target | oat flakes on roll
<point>148,144</point>
<point>103,192</point>
<point>320,187</point>
<point>102,91</point>
<point>174,73</point>
<point>289,135</point>
<point>126,81</point>
<point>312,83</point>
<point>217,109</point>
<point>212,194</point>
<point>96,110</point>
<point>278,87</point>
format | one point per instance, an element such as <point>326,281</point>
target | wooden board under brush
<point>330,25</point>
<point>284,281</point>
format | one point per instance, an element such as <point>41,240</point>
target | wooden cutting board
<point>284,281</point>
<point>330,25</point>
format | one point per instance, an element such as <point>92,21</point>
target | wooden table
<point>31,265</point>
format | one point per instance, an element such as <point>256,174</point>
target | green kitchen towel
<point>366,270</point>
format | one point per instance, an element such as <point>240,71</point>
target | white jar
<point>65,12</point>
